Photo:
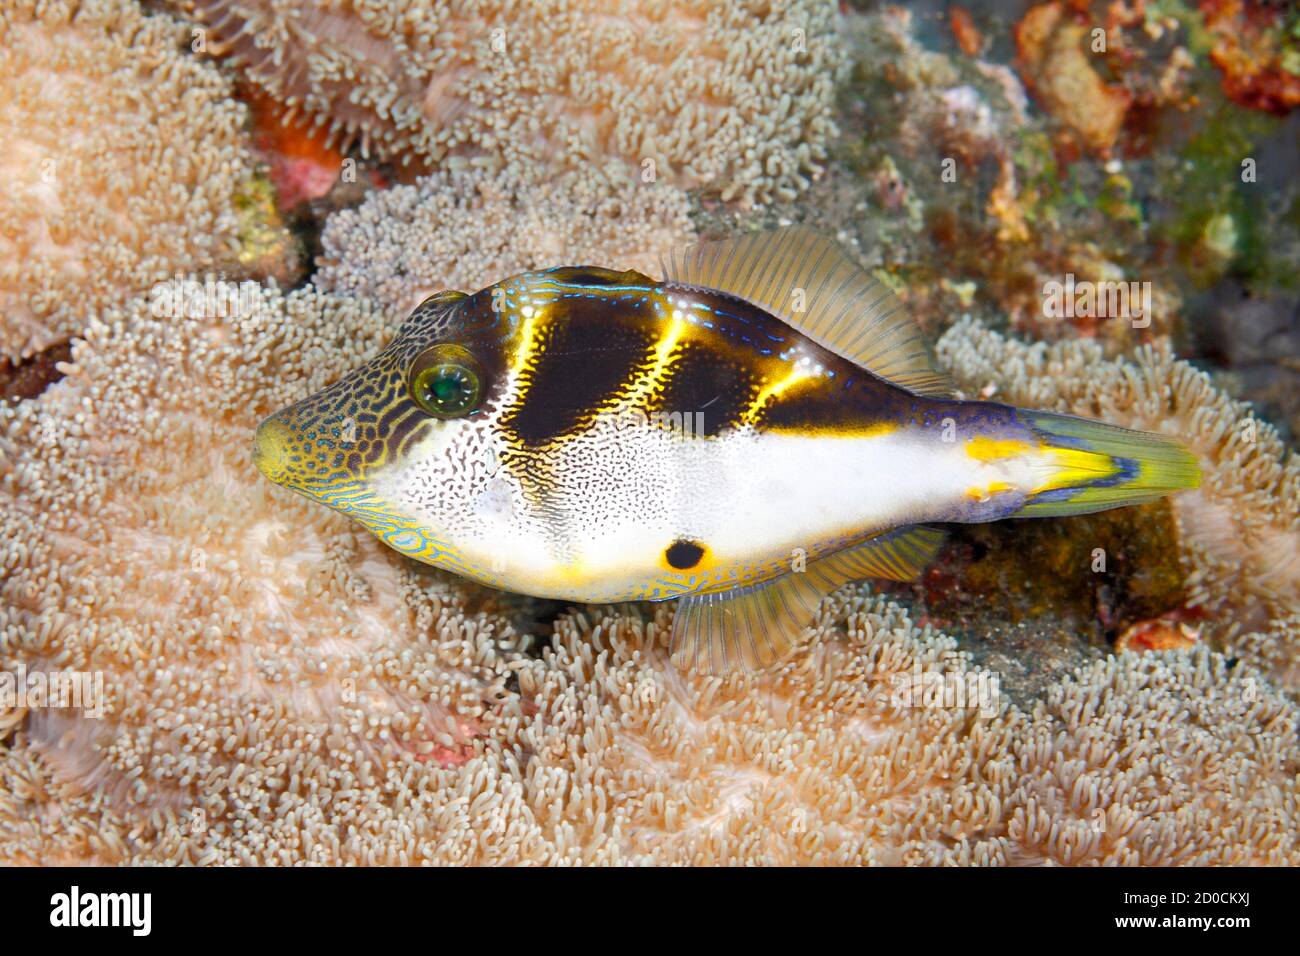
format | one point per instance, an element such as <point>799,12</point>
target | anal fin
<point>896,556</point>
<point>753,627</point>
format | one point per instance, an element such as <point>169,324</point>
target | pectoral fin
<point>752,627</point>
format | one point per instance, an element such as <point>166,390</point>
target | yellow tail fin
<point>1100,466</point>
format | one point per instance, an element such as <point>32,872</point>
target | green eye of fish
<point>446,382</point>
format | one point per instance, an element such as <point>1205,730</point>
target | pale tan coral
<point>1157,760</point>
<point>826,760</point>
<point>264,662</point>
<point>853,754</point>
<point>468,228</point>
<point>1240,529</point>
<point>122,158</point>
<point>1275,645</point>
<point>734,96</point>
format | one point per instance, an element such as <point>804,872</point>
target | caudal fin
<point>1091,466</point>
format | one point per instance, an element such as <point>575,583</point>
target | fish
<point>750,432</point>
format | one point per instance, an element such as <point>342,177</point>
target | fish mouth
<point>271,450</point>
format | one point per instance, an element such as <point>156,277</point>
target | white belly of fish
<point>748,496</point>
<point>619,495</point>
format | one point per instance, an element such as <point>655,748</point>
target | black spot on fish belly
<point>683,555</point>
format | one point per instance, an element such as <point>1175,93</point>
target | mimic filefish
<point>757,429</point>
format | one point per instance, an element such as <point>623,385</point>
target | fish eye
<point>446,381</point>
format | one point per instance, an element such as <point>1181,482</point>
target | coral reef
<point>686,85</point>
<point>124,163</point>
<point>1054,63</point>
<point>280,688</point>
<point>1240,529</point>
<point>1032,601</point>
<point>865,751</point>
<point>956,161</point>
<point>1257,47</point>
<point>1164,759</point>
<point>954,178</point>
<point>467,228</point>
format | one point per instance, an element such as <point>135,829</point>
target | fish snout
<point>271,449</point>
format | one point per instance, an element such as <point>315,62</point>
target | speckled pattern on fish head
<point>350,444</point>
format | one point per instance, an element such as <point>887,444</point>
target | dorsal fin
<point>753,627</point>
<point>844,309</point>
